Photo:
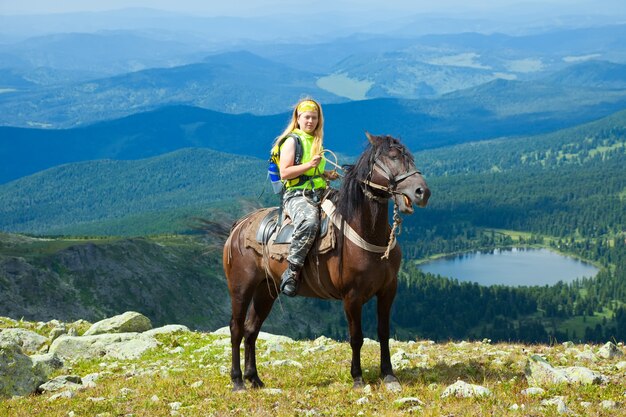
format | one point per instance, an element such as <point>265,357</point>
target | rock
<point>530,391</point>
<point>409,401</point>
<point>610,351</point>
<point>48,362</point>
<point>129,322</point>
<point>462,389</point>
<point>539,372</point>
<point>110,346</point>
<point>225,331</point>
<point>18,373</point>
<point>323,340</point>
<point>169,329</point>
<point>71,382</point>
<point>197,384</point>
<point>400,360</point>
<point>285,362</point>
<point>56,332</point>
<point>28,341</point>
<point>64,394</point>
<point>362,400</point>
<point>609,405</point>
<point>561,407</point>
<point>585,376</point>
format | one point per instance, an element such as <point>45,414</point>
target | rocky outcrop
<point>129,322</point>
<point>113,346</point>
<point>23,375</point>
<point>19,375</point>
<point>28,341</point>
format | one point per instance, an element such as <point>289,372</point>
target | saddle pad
<point>279,251</point>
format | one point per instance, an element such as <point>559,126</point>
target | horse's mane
<point>350,197</point>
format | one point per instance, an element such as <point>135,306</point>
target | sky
<point>261,7</point>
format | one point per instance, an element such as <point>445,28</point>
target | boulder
<point>48,362</point>
<point>29,341</point>
<point>540,373</point>
<point>610,351</point>
<point>129,322</point>
<point>168,329</point>
<point>462,389</point>
<point>113,346</point>
<point>225,331</point>
<point>71,382</point>
<point>18,376</point>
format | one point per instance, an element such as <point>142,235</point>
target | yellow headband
<point>307,105</point>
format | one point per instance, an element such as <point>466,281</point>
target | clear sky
<point>261,7</point>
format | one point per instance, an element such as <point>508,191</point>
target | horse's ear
<point>372,139</point>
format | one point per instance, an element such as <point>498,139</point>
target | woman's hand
<point>331,175</point>
<point>315,160</point>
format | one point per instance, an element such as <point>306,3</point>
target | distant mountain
<point>100,54</point>
<point>599,74</point>
<point>237,82</point>
<point>496,109</point>
<point>437,64</point>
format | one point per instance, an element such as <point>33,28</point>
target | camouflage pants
<point>304,213</point>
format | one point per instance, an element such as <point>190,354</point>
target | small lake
<point>513,267</point>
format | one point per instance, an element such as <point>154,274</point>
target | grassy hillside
<point>187,374</point>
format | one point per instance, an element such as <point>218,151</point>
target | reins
<point>390,189</point>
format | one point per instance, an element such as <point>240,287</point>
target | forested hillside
<point>565,190</point>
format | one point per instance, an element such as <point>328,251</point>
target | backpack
<point>275,152</point>
<point>273,170</point>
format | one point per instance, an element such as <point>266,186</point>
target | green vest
<point>311,179</point>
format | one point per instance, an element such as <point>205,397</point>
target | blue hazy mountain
<point>234,82</point>
<point>496,109</point>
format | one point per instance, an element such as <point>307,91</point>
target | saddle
<point>269,225</point>
<point>265,237</point>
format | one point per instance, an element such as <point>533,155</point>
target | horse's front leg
<point>353,309</point>
<point>384,302</point>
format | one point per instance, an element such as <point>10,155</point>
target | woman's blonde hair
<point>318,133</point>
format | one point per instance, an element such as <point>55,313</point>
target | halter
<point>390,188</point>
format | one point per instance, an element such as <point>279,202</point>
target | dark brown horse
<point>384,171</point>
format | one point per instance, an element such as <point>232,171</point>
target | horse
<point>384,172</point>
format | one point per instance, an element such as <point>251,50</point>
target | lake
<point>513,267</point>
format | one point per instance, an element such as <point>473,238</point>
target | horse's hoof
<point>392,384</point>
<point>256,383</point>
<point>358,383</point>
<point>239,387</point>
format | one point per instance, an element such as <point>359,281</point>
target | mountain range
<point>157,193</point>
<point>500,108</point>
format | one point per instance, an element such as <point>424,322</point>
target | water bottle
<point>274,175</point>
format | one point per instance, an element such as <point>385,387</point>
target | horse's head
<point>393,171</point>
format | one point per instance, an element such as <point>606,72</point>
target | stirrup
<point>288,283</point>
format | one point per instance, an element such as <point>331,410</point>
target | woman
<point>305,180</point>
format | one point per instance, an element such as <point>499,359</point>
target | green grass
<point>193,369</point>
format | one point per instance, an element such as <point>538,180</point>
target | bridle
<point>393,181</point>
<point>391,190</point>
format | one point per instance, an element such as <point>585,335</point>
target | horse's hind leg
<point>240,300</point>
<point>262,302</point>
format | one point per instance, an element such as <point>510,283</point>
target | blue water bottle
<point>274,175</point>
